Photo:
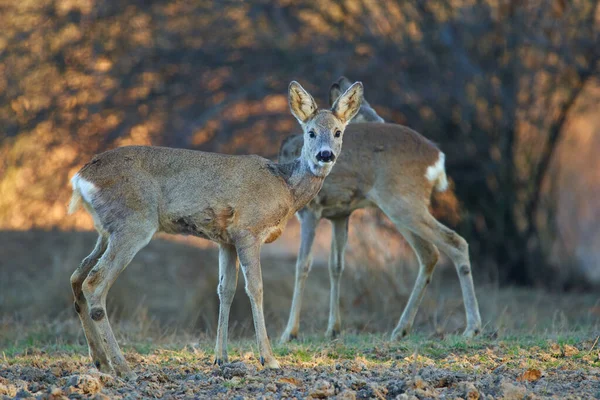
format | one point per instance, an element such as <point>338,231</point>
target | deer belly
<point>340,206</point>
<point>208,224</point>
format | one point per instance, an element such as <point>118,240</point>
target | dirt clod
<point>346,395</point>
<point>396,387</point>
<point>469,391</point>
<point>234,369</point>
<point>512,392</point>
<point>405,396</point>
<point>85,384</point>
<point>322,389</point>
<point>8,390</point>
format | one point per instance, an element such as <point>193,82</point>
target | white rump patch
<point>86,188</point>
<point>437,173</point>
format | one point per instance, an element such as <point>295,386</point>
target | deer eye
<point>338,133</point>
<point>312,134</point>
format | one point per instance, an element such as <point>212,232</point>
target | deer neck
<point>303,183</point>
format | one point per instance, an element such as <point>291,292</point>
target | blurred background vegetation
<point>510,90</point>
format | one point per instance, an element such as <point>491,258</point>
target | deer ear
<point>302,105</point>
<point>344,83</point>
<point>337,88</point>
<point>334,92</point>
<point>348,104</point>
<point>368,113</point>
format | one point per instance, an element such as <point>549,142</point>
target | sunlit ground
<point>354,366</point>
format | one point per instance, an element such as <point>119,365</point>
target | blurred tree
<point>492,81</point>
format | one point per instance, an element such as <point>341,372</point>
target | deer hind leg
<point>250,259</point>
<point>455,247</point>
<point>96,349</point>
<point>228,276</point>
<point>308,226</point>
<point>427,256</point>
<point>122,247</point>
<point>339,239</point>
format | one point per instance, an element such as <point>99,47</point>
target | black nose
<point>325,156</point>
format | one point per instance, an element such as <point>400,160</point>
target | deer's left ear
<point>348,104</point>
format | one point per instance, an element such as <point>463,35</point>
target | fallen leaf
<point>556,350</point>
<point>290,380</point>
<point>530,375</point>
<point>473,395</point>
<point>570,350</point>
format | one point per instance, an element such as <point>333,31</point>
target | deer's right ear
<point>334,92</point>
<point>302,104</point>
<point>348,104</point>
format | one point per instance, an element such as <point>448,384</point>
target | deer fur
<point>395,169</point>
<point>240,202</point>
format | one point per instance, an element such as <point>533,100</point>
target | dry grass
<point>171,287</point>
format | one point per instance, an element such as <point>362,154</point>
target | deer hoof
<point>288,337</point>
<point>270,363</point>
<point>220,361</point>
<point>332,333</point>
<point>399,334</point>
<point>471,332</point>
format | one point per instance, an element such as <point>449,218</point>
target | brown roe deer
<point>395,169</point>
<point>240,202</point>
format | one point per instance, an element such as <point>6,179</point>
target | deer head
<point>323,129</point>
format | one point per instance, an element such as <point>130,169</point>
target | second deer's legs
<point>339,239</point>
<point>455,247</point>
<point>228,275</point>
<point>308,226</point>
<point>249,256</point>
<point>122,247</point>
<point>423,224</point>
<point>427,256</point>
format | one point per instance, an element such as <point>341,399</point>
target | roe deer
<point>240,202</point>
<point>395,169</point>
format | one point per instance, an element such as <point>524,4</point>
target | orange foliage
<point>79,77</point>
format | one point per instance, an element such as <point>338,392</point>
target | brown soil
<point>380,371</point>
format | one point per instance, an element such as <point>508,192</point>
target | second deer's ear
<point>334,93</point>
<point>302,104</point>
<point>344,83</point>
<point>348,104</point>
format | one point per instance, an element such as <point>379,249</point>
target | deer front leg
<point>249,256</point>
<point>308,225</point>
<point>339,239</point>
<point>427,256</point>
<point>228,275</point>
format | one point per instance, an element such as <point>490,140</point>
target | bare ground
<point>360,367</point>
